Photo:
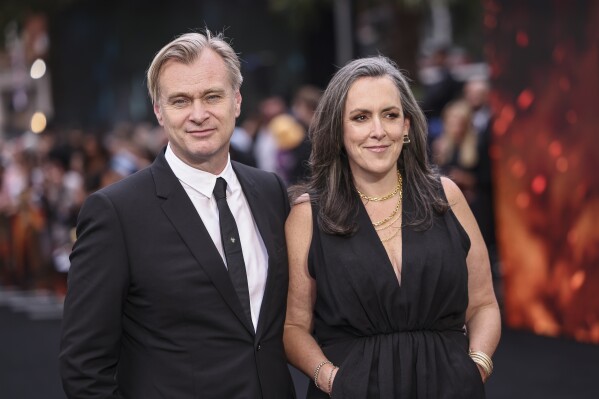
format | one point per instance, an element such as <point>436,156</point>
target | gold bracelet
<point>331,380</point>
<point>317,371</point>
<point>483,360</point>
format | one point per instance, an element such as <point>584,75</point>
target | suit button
<point>258,347</point>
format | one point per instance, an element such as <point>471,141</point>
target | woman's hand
<point>483,374</point>
<point>326,378</point>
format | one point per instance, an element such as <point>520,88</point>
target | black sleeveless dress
<point>391,340</point>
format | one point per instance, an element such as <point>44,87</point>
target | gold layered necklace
<point>397,190</point>
<point>384,197</point>
<point>385,220</point>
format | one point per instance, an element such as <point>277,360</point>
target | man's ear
<point>237,103</point>
<point>158,113</point>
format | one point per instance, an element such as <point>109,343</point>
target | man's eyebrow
<point>177,94</point>
<point>212,90</point>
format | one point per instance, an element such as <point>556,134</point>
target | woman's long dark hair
<point>331,183</point>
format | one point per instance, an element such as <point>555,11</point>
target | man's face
<point>197,106</point>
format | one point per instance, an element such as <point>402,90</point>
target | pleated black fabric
<point>391,340</point>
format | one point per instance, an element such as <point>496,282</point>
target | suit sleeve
<point>284,194</point>
<point>97,286</point>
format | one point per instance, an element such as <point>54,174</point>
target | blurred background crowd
<point>53,154</point>
<point>46,176</point>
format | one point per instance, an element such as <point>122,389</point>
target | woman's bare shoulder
<point>305,197</point>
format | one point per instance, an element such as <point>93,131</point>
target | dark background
<point>100,49</point>
<point>527,366</point>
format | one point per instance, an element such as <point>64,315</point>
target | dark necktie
<point>232,246</point>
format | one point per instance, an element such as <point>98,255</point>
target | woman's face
<point>373,126</point>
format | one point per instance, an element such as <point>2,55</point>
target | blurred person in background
<point>439,90</point>
<point>265,144</point>
<point>476,94</point>
<point>455,151</point>
<point>390,292</point>
<point>291,134</point>
<point>252,142</point>
<point>95,160</point>
<point>462,154</point>
<point>242,144</point>
<point>178,278</point>
<point>21,208</point>
<point>63,195</point>
<point>130,149</point>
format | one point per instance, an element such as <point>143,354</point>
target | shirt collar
<point>201,181</point>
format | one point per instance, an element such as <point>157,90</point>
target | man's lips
<point>200,132</point>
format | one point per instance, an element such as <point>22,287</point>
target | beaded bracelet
<point>331,380</point>
<point>317,371</point>
<point>483,360</point>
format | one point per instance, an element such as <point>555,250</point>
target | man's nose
<point>198,112</point>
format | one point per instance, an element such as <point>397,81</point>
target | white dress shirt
<point>199,186</point>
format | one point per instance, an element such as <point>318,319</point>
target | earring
<point>406,139</point>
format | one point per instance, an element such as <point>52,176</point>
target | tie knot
<point>220,189</point>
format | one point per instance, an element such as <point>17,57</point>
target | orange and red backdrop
<point>544,60</point>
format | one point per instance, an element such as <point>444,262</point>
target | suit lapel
<point>257,204</point>
<point>180,210</point>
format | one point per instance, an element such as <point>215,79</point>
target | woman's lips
<point>377,148</point>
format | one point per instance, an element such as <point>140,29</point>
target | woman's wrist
<point>324,374</point>
<point>332,375</point>
<point>320,374</point>
<point>483,362</point>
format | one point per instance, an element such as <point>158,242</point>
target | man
<point>439,91</point>
<point>476,93</point>
<point>159,305</point>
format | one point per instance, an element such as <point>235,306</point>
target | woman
<point>456,151</point>
<point>390,286</point>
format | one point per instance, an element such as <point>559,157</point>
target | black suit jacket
<point>151,311</point>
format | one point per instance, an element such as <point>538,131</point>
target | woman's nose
<point>377,128</point>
